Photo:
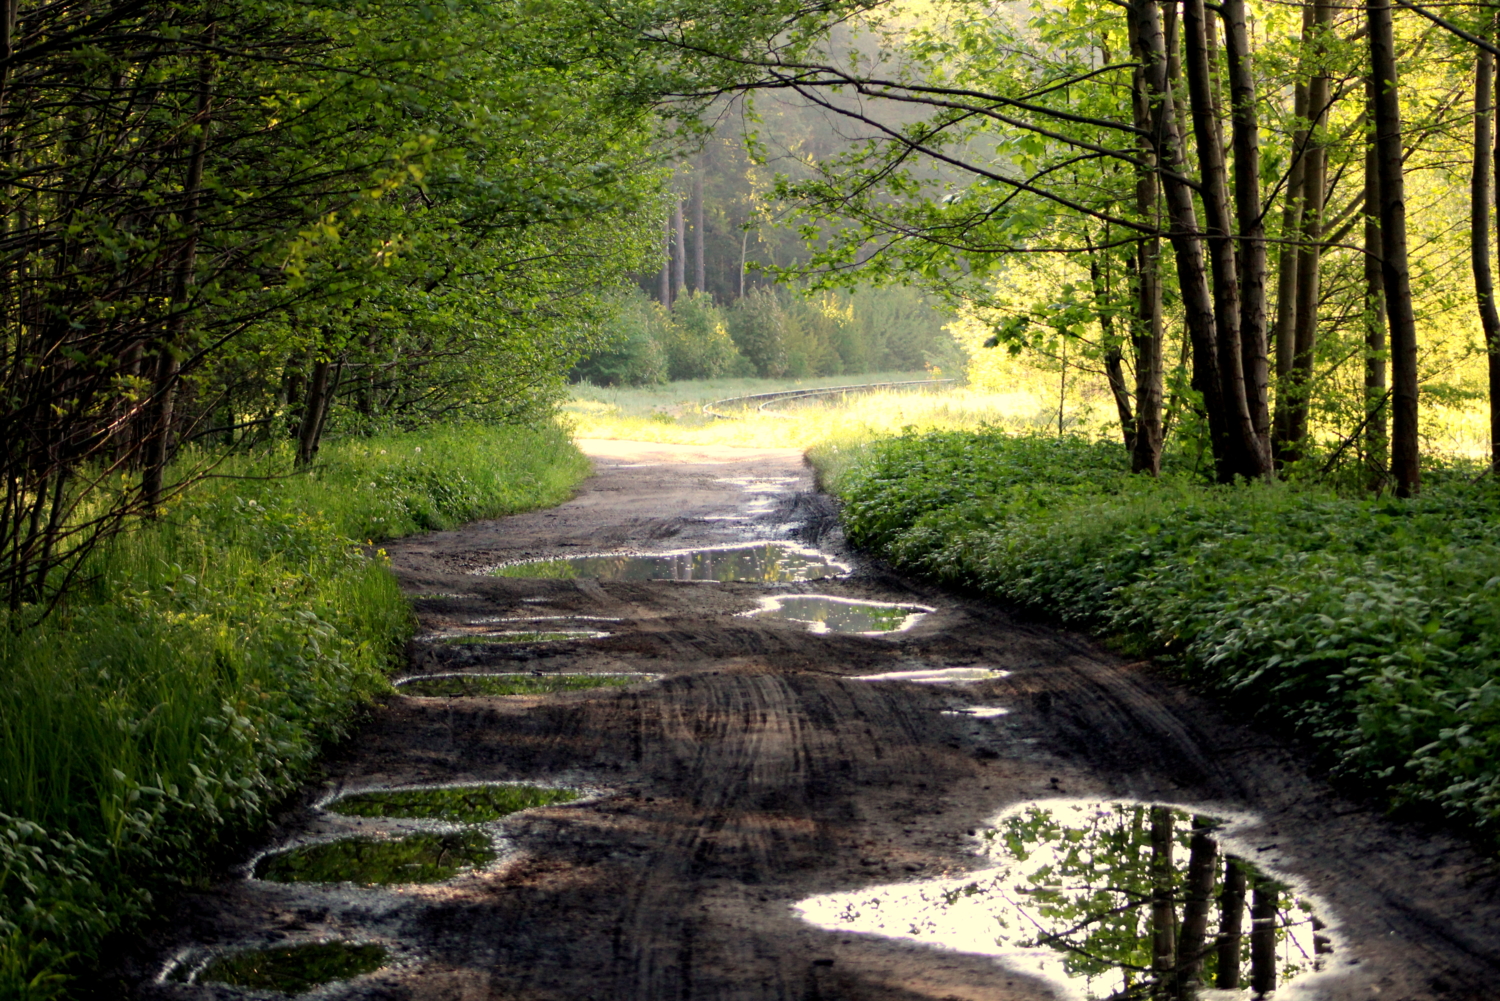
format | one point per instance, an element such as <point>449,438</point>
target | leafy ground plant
<point>167,707</point>
<point>1369,625</point>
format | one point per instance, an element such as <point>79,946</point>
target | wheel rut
<point>757,770</point>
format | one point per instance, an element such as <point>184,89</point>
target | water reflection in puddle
<point>938,676</point>
<point>492,684</point>
<point>473,804</point>
<point>978,712</point>
<point>425,857</point>
<point>823,613</point>
<point>765,562</point>
<point>292,969</point>
<point>1106,900</point>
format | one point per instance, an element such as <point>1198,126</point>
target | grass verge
<point>169,707</point>
<point>1368,625</point>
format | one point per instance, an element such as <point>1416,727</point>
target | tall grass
<point>171,705</point>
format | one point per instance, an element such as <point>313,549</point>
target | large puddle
<point>764,562</point>
<point>427,857</point>
<point>473,685</point>
<point>477,804</point>
<point>1107,901</point>
<point>292,969</point>
<point>822,613</point>
<point>937,676</point>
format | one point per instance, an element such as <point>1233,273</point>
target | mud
<point>760,772</point>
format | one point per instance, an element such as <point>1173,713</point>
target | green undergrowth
<point>1368,625</point>
<point>166,708</point>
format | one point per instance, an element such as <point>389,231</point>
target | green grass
<point>1368,625</point>
<point>166,708</point>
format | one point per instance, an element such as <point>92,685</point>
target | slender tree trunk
<point>168,366</point>
<point>1231,923</point>
<point>1245,140</point>
<point>1284,333</point>
<point>1146,325</point>
<point>699,282</point>
<point>1248,458</point>
<point>1377,442</point>
<point>679,250</point>
<point>1114,360</point>
<point>1263,939</point>
<point>1396,277</point>
<point>664,280</point>
<point>1310,253</point>
<point>1203,854</point>
<point>312,411</point>
<point>1187,244</point>
<point>1481,205</point>
<point>1163,908</point>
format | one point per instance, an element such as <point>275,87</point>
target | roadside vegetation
<point>189,686</point>
<point>1367,625</point>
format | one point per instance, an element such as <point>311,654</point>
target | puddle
<point>515,636</point>
<point>457,804</point>
<point>823,613</point>
<point>978,712</point>
<point>938,676</point>
<point>478,685</point>
<point>291,969</point>
<point>491,620</point>
<point>1099,899</point>
<point>417,858</point>
<point>765,562</point>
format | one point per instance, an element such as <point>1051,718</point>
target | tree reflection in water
<point>1117,900</point>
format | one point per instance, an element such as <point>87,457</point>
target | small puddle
<point>1107,900</point>
<point>480,685</point>
<point>457,804</point>
<point>823,613</point>
<point>978,712</point>
<point>938,676</point>
<point>291,969</point>
<point>767,562</point>
<point>514,636</point>
<point>417,858</point>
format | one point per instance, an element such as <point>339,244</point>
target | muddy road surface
<point>738,766</point>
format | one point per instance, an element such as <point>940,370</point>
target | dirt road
<point>758,772</point>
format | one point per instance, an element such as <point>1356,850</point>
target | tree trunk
<point>1114,360</point>
<point>1163,909</point>
<point>1245,139</point>
<point>168,367</point>
<point>1203,853</point>
<point>1231,923</point>
<point>1310,253</point>
<point>1395,275</point>
<point>1286,259</point>
<point>1248,459</point>
<point>1377,443</point>
<point>1263,939</point>
<point>1481,204</point>
<point>679,250</point>
<point>664,280</point>
<point>699,282</point>
<point>1187,245</point>
<point>1146,325</point>
<point>312,412</point>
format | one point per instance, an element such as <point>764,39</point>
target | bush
<point>217,651</point>
<point>1368,625</point>
<point>698,344</point>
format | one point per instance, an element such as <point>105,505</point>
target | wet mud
<point>769,766</point>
